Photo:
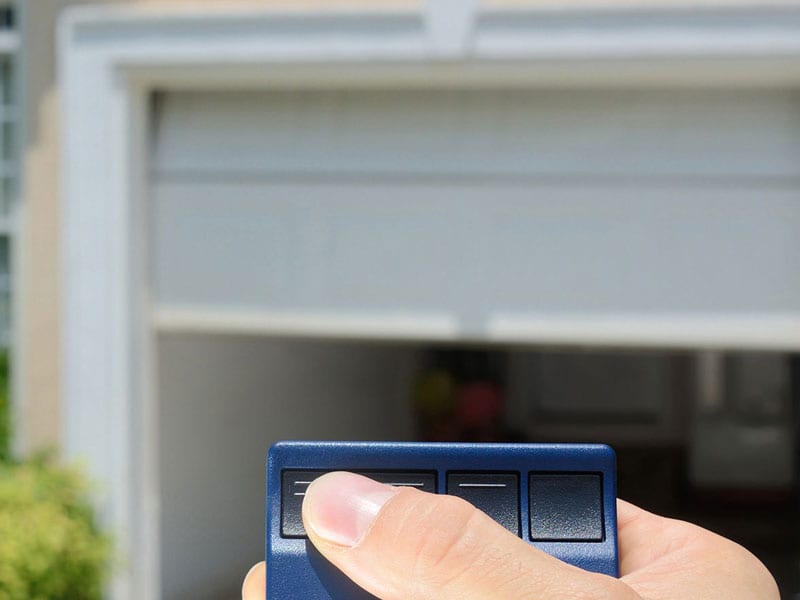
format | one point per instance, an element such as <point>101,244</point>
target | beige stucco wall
<point>37,298</point>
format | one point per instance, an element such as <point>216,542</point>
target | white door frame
<point>111,58</point>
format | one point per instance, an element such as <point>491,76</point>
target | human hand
<point>404,544</point>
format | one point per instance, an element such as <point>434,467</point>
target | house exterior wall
<point>38,306</point>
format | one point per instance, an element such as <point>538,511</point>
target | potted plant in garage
<point>50,545</point>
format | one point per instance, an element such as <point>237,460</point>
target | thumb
<point>401,543</point>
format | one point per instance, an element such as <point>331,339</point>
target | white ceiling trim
<point>734,45</point>
<point>111,57</point>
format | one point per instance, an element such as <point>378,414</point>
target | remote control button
<point>421,480</point>
<point>293,489</point>
<point>295,483</point>
<point>496,494</point>
<point>566,507</point>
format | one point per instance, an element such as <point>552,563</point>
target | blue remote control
<point>559,497</point>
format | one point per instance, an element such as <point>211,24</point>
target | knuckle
<point>451,544</point>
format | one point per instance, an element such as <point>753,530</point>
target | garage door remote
<point>559,497</point>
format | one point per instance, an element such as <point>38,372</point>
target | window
<point>9,167</point>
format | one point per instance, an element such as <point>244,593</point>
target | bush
<point>50,547</point>
<point>5,411</point>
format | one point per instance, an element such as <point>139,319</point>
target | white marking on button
<point>482,485</point>
<point>299,493</point>
<point>302,483</point>
<point>409,484</point>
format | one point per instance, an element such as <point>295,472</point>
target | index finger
<point>644,537</point>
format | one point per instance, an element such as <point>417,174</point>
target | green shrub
<point>5,411</point>
<point>50,548</point>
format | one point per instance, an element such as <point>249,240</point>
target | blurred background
<point>223,224</point>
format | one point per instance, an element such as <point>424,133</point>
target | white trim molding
<point>112,58</point>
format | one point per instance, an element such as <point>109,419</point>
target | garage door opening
<point>724,460</point>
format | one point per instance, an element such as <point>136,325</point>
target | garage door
<point>464,213</point>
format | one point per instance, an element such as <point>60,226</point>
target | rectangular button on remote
<point>295,482</point>
<point>566,507</point>
<point>293,489</point>
<point>496,494</point>
<point>421,480</point>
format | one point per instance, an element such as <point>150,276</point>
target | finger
<point>627,513</point>
<point>401,543</point>
<point>664,558</point>
<point>255,583</point>
<point>635,524</point>
<point>643,537</point>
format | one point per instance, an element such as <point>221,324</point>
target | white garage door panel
<point>484,212</point>
<point>638,133</point>
<point>476,250</point>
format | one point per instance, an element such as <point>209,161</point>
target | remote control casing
<point>295,570</point>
